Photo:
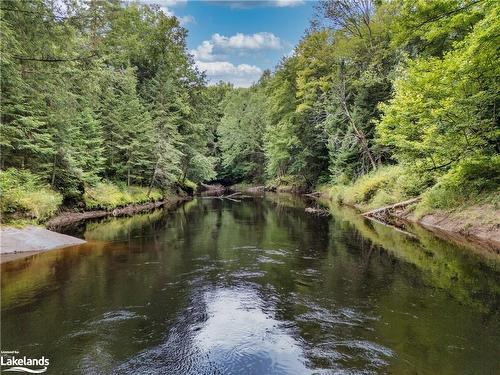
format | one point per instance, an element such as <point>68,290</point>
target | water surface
<point>254,287</point>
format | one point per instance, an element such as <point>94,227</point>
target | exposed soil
<point>476,225</point>
<point>488,234</point>
<point>22,242</point>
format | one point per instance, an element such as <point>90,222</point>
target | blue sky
<point>235,41</point>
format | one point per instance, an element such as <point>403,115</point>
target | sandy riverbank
<point>17,242</point>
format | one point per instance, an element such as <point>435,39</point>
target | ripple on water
<point>264,259</point>
<point>225,332</point>
<point>278,252</point>
<point>118,316</point>
<point>247,274</point>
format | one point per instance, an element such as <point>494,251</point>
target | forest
<point>381,101</point>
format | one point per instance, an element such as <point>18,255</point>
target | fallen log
<point>230,196</point>
<point>385,210</point>
<point>401,230</point>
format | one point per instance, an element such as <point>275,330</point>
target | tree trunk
<point>153,177</point>
<point>359,132</point>
<point>53,181</point>
<point>361,136</point>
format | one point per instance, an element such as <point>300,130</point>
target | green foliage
<point>110,93</point>
<point>241,134</point>
<point>24,195</point>
<point>471,181</point>
<point>384,186</point>
<point>443,109</point>
<point>288,184</point>
<point>107,92</point>
<point>108,196</point>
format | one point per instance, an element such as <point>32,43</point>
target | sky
<point>234,41</point>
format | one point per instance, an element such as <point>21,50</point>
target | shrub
<point>472,180</point>
<point>385,185</point>
<point>24,196</point>
<point>374,186</point>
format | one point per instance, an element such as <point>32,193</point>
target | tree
<point>444,109</point>
<point>241,134</point>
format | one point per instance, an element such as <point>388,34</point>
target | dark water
<point>254,287</point>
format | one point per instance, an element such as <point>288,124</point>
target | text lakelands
<point>24,361</point>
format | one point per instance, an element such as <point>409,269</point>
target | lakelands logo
<point>17,363</point>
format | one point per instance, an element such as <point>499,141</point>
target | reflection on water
<point>254,287</point>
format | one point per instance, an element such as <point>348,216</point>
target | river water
<point>255,286</point>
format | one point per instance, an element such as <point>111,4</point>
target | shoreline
<point>65,218</point>
<point>449,226</point>
<point>41,239</point>
<point>22,242</point>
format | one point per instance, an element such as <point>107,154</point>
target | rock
<point>32,238</point>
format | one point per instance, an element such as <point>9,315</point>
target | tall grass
<point>472,182</point>
<point>385,185</point>
<point>24,196</point>
<point>108,196</point>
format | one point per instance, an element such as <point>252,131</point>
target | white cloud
<point>211,56</point>
<point>287,3</point>
<point>204,51</point>
<point>165,6</point>
<point>245,4</point>
<point>161,3</point>
<point>185,20</point>
<point>253,42</point>
<point>242,75</point>
<point>231,3</point>
<point>219,45</point>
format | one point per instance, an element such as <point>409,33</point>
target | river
<point>254,286</point>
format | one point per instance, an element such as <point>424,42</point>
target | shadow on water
<point>253,287</point>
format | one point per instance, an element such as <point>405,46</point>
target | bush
<point>384,186</point>
<point>107,196</point>
<point>471,181</point>
<point>24,196</point>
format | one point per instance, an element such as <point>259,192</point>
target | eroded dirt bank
<point>475,225</point>
<point>455,227</point>
<point>68,217</point>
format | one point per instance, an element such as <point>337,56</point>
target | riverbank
<point>17,242</point>
<point>70,217</point>
<point>477,223</point>
<point>474,223</point>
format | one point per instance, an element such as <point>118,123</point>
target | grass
<point>27,199</point>
<point>24,198</point>
<point>108,196</point>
